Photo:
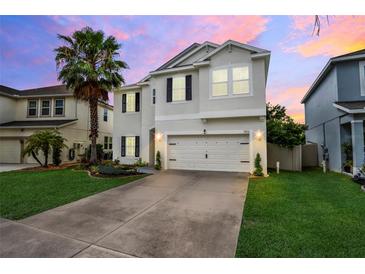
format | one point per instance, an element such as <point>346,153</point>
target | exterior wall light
<point>158,136</point>
<point>258,135</point>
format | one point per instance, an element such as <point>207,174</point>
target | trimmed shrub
<point>158,160</point>
<point>258,167</point>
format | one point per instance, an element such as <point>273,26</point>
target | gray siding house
<point>335,110</point>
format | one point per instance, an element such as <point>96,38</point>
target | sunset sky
<point>27,43</point>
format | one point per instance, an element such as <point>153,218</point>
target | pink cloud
<point>343,34</point>
<point>241,28</point>
<point>290,98</point>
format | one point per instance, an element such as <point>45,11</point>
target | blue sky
<point>27,43</point>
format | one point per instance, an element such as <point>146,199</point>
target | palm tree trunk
<point>36,158</point>
<point>93,102</point>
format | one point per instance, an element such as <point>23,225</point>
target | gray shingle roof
<point>191,47</point>
<point>51,90</point>
<point>352,105</point>
<point>37,123</point>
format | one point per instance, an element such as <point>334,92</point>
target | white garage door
<point>209,152</point>
<point>9,151</point>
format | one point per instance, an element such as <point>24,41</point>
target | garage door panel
<point>224,152</point>
<point>10,151</point>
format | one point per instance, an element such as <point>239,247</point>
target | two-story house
<point>335,110</point>
<point>23,112</point>
<point>204,109</point>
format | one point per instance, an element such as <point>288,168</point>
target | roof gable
<point>356,55</point>
<point>194,55</point>
<point>252,49</point>
<point>178,56</point>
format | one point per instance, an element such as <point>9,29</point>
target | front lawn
<point>308,214</point>
<point>25,193</point>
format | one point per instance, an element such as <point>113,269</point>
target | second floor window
<point>32,108</point>
<point>240,80</point>
<point>46,108</point>
<point>220,82</point>
<point>178,89</point>
<point>230,81</point>
<point>105,115</point>
<point>59,109</point>
<point>131,102</point>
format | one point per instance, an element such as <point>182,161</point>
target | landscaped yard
<point>308,214</point>
<point>25,193</point>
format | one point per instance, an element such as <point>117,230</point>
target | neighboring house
<point>204,109</point>
<point>335,109</point>
<point>23,112</point>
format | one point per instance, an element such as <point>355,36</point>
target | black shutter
<point>137,101</point>
<point>124,102</point>
<point>188,88</point>
<point>122,146</point>
<point>137,146</point>
<point>169,90</point>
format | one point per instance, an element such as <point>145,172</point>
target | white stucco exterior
<point>203,114</point>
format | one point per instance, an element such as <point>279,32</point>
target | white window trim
<point>49,108</point>
<point>55,106</point>
<point>211,81</point>
<point>172,92</point>
<point>362,77</point>
<point>36,108</point>
<point>230,81</point>
<point>121,102</point>
<point>126,102</point>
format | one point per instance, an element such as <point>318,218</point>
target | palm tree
<point>87,64</point>
<point>44,141</point>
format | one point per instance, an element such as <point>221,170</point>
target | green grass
<point>308,214</point>
<point>25,193</point>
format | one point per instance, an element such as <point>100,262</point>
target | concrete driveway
<point>170,214</point>
<point>10,167</point>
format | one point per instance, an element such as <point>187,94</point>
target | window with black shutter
<point>137,101</point>
<point>124,102</point>
<point>188,88</point>
<point>169,90</point>
<point>122,147</point>
<point>137,146</point>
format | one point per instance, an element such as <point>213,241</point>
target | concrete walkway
<point>10,167</point>
<point>169,214</point>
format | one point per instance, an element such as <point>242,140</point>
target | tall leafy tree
<point>282,129</point>
<point>44,141</point>
<point>89,64</point>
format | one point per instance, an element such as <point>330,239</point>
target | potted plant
<point>347,167</point>
<point>347,150</point>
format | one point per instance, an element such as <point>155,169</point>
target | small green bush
<point>94,169</point>
<point>258,167</point>
<point>158,160</point>
<point>141,163</point>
